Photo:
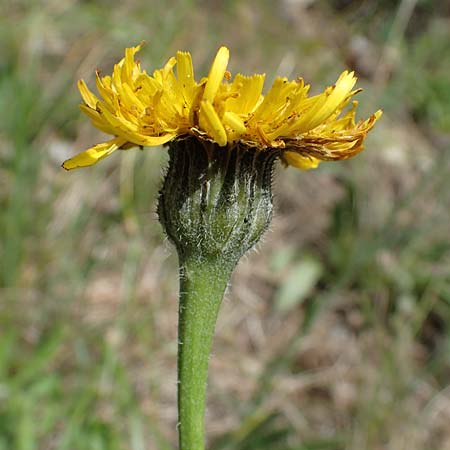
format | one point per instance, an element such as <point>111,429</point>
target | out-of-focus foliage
<point>428,90</point>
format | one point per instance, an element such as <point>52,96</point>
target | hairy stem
<point>202,286</point>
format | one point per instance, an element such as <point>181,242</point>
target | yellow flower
<point>150,110</point>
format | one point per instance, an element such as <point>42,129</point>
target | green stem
<point>202,286</point>
<point>214,205</point>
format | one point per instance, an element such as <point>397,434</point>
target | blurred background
<point>335,334</point>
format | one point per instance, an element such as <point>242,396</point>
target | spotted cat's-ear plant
<point>223,137</point>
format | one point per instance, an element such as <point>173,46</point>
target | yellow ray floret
<point>139,109</point>
<point>94,154</point>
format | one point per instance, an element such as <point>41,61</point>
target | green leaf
<point>298,284</point>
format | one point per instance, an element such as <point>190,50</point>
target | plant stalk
<point>202,285</point>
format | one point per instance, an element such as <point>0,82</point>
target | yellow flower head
<point>149,110</point>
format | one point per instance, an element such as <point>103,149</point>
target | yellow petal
<point>94,154</point>
<point>131,132</point>
<point>153,141</point>
<point>339,93</point>
<point>234,122</point>
<point>249,93</point>
<point>274,101</point>
<point>374,117</point>
<point>210,122</point>
<point>185,70</point>
<point>117,122</point>
<point>301,162</point>
<point>97,119</point>
<point>129,63</point>
<point>104,88</point>
<point>161,74</point>
<point>131,99</point>
<point>216,74</point>
<point>89,98</point>
<point>116,79</point>
<point>346,121</point>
